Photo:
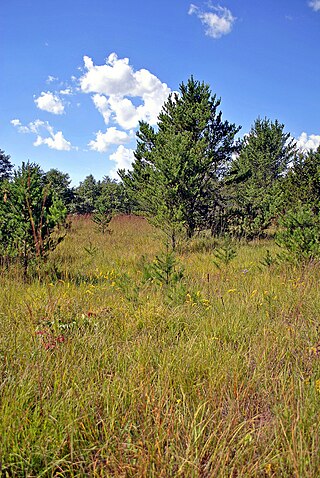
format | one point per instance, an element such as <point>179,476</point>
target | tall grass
<point>104,374</point>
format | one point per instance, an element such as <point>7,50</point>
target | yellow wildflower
<point>268,469</point>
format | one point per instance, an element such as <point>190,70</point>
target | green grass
<point>105,375</point>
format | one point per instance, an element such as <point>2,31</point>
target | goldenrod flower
<point>268,469</point>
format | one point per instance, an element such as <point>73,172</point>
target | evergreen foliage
<point>91,195</point>
<point>32,217</point>
<point>177,168</point>
<point>86,195</point>
<point>102,217</point>
<point>302,183</point>
<point>255,177</point>
<point>164,269</point>
<point>225,253</point>
<point>59,184</point>
<point>300,234</point>
<point>189,175</point>
<point>113,197</point>
<point>5,166</point>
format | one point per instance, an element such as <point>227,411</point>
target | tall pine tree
<point>178,166</point>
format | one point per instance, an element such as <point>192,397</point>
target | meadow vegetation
<point>122,360</point>
<point>184,345</point>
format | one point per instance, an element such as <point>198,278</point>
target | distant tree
<point>112,200</point>
<point>255,177</point>
<point>5,166</point>
<point>59,183</point>
<point>31,217</point>
<point>177,167</point>
<point>86,195</point>
<point>302,183</point>
<point>114,197</point>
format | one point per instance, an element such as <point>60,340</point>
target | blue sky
<point>78,75</point>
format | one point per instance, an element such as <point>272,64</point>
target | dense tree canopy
<point>59,183</point>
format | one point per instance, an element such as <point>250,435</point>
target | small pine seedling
<point>224,254</point>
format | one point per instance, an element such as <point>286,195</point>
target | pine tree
<point>256,175</point>
<point>177,167</point>
<point>86,195</point>
<point>29,216</point>
<point>5,166</point>
<point>59,183</point>
<point>302,183</point>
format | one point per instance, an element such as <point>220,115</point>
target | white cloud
<point>38,127</point>
<point>115,77</point>
<point>66,91</point>
<point>217,22</point>
<point>315,5</point>
<point>51,79</point>
<point>123,158</point>
<point>115,84</point>
<point>102,105</point>
<point>124,112</point>
<point>32,127</point>
<point>111,136</point>
<point>55,141</point>
<point>15,122</point>
<point>305,142</point>
<point>50,102</point>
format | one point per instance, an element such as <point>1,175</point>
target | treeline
<point>35,205</point>
<point>189,174</point>
<point>91,195</point>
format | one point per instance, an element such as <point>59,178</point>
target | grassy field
<point>106,374</point>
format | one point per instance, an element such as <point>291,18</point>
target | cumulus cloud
<point>38,127</point>
<point>104,140</point>
<point>55,141</point>
<point>306,142</point>
<point>102,105</point>
<point>50,102</point>
<point>217,22</point>
<point>32,127</point>
<point>124,112</point>
<point>122,94</point>
<point>315,5</point>
<point>123,158</point>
